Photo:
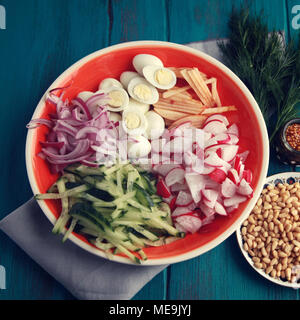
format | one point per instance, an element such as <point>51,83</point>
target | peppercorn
<point>293,136</point>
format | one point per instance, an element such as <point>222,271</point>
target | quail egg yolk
<point>142,91</point>
<point>163,77</point>
<point>132,121</point>
<point>116,98</point>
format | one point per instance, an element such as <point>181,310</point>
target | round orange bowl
<point>86,74</point>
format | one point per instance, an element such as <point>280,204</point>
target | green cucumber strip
<point>68,193</point>
<point>70,230</point>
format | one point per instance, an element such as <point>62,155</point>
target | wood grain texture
<point>42,39</point>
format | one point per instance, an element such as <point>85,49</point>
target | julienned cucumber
<point>116,208</point>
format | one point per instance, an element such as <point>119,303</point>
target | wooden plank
<point>141,20</point>
<point>201,20</point>
<point>42,39</point>
<point>138,20</point>
<point>221,273</point>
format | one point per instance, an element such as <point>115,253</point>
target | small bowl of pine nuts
<point>270,237</point>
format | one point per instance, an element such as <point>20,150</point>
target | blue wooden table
<point>44,37</point>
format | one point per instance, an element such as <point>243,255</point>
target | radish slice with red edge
<point>184,199</point>
<point>218,117</point>
<point>195,182</point>
<point>218,175</point>
<point>245,189</point>
<point>162,189</point>
<point>228,188</point>
<point>233,129</point>
<point>189,223</point>
<point>220,209</point>
<point>233,176</point>
<point>236,199</point>
<point>175,175</point>
<point>215,127</point>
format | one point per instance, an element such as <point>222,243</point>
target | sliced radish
<point>207,211</point>
<point>209,197</point>
<point>244,188</point>
<point>215,127</point>
<point>213,160</point>
<point>241,170</point>
<point>243,156</point>
<point>157,145</point>
<point>233,129</point>
<point>195,182</point>
<point>223,138</point>
<point>232,208</point>
<point>162,189</point>
<point>247,175</point>
<point>181,210</point>
<point>218,117</point>
<point>228,188</point>
<point>210,142</point>
<point>179,187</point>
<point>218,175</point>
<point>164,168</point>
<point>229,152</point>
<point>178,131</point>
<point>236,199</point>
<point>220,209</point>
<point>174,175</point>
<point>207,170</point>
<point>233,139</point>
<point>189,223</point>
<point>184,199</point>
<point>233,176</point>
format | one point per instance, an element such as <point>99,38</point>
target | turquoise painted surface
<point>43,38</point>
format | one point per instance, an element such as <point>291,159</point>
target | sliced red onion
<point>83,106</point>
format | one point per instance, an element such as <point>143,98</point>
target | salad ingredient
<point>159,77</point>
<point>126,77</point>
<point>293,136</point>
<point>108,83</point>
<point>74,131</point>
<point>118,98</point>
<point>271,233</point>
<point>142,60</point>
<point>134,122</point>
<point>142,91</point>
<point>115,208</point>
<point>156,125</point>
<point>212,179</point>
<point>257,56</point>
<point>85,95</point>
<point>138,147</point>
<point>135,105</point>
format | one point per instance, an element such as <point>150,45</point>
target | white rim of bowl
<point>283,175</point>
<point>196,252</point>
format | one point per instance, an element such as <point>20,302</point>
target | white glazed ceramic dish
<point>287,177</point>
<point>208,246</point>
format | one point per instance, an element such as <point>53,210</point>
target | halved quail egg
<point>139,106</point>
<point>156,125</point>
<point>142,60</point>
<point>85,95</point>
<point>126,77</point>
<point>138,147</point>
<point>142,91</point>
<point>117,99</point>
<point>108,83</point>
<point>160,77</point>
<point>134,122</point>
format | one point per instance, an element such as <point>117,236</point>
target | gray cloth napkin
<point>86,276</point>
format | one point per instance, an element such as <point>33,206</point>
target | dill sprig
<point>268,66</point>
